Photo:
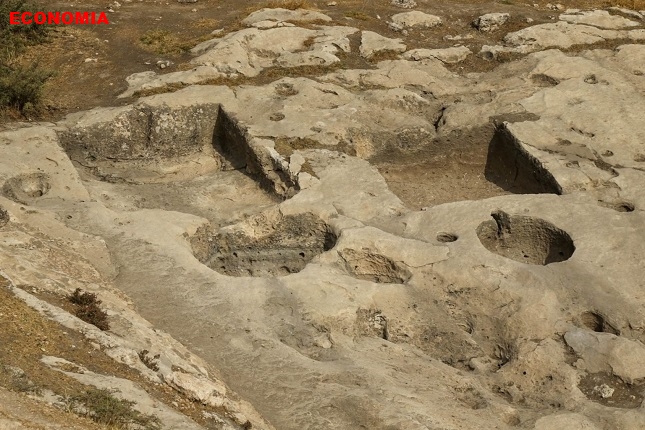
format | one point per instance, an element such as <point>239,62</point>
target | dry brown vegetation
<point>166,42</point>
<point>288,4</point>
<point>88,309</point>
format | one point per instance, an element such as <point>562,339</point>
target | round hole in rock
<point>525,239</point>
<point>26,187</point>
<point>281,250</point>
<point>446,237</point>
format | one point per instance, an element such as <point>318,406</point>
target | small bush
<point>15,379</point>
<point>14,37</point>
<point>102,407</point>
<point>78,297</point>
<point>21,86</point>
<point>87,309</point>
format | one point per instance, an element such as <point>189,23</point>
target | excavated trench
<point>231,140</point>
<point>132,147</point>
<point>514,170</point>
<point>276,248</point>
<point>471,164</point>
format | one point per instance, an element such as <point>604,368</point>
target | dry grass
<point>102,407</point>
<point>209,23</point>
<point>288,4</point>
<point>275,73</point>
<point>384,56</point>
<point>176,86</point>
<point>165,42</point>
<point>306,168</point>
<point>631,4</point>
<point>355,14</point>
<point>286,146</point>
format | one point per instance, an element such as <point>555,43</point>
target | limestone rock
<point>569,421</point>
<point>598,18</point>
<point>297,59</point>
<point>249,51</point>
<point>415,19</point>
<point>363,279</point>
<point>36,169</point>
<point>625,11</point>
<point>373,44</point>
<point>405,4</point>
<point>202,390</point>
<point>284,15</point>
<point>333,39</point>
<point>126,390</point>
<point>583,140</point>
<point>265,25</point>
<point>446,55</point>
<point>561,35</point>
<point>605,352</point>
<point>491,21</point>
<point>139,133</point>
<point>430,74</point>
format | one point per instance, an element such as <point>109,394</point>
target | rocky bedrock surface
<point>251,224</point>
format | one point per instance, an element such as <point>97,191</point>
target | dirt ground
<point>92,62</point>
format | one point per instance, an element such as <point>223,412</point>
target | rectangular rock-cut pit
<point>124,142</point>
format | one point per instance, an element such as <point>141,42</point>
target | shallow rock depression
<point>275,250</point>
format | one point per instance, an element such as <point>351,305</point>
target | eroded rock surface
<point>258,225</point>
<point>491,21</point>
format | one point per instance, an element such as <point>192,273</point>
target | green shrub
<point>102,407</point>
<point>15,37</point>
<point>20,86</point>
